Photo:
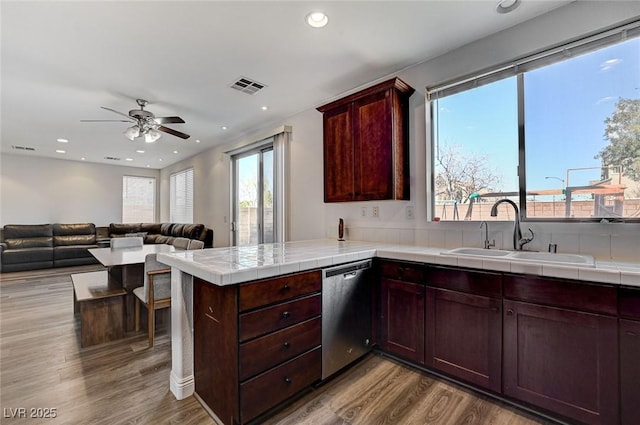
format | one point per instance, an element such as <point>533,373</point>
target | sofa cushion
<point>165,228</point>
<point>74,240</point>
<point>61,229</point>
<point>29,243</point>
<point>18,231</point>
<point>28,255</point>
<point>151,228</point>
<point>75,251</point>
<point>193,231</point>
<point>120,229</point>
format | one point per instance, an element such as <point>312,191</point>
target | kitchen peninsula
<point>213,280</point>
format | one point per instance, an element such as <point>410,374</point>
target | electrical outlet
<point>409,212</point>
<point>375,212</point>
<point>363,212</point>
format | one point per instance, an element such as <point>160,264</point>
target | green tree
<point>623,132</point>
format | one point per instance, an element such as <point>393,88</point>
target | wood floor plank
<point>123,382</point>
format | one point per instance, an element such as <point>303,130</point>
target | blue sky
<point>566,105</point>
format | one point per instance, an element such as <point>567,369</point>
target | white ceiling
<point>62,61</point>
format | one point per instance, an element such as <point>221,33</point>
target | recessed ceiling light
<point>175,151</point>
<point>60,151</point>
<point>62,140</point>
<point>224,127</point>
<point>160,160</point>
<point>317,19</point>
<point>506,6</point>
<point>139,151</point>
<point>264,108</point>
<point>197,140</point>
<point>128,159</point>
<point>83,158</point>
<point>148,166</point>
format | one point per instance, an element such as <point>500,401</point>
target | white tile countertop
<point>232,265</point>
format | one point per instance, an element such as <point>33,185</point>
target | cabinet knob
<point>510,312</point>
<point>210,309</point>
<point>286,287</point>
<point>286,315</point>
<point>287,344</point>
<point>287,380</point>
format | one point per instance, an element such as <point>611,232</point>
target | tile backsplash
<point>611,242</point>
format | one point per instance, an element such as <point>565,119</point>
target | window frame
<point>517,68</point>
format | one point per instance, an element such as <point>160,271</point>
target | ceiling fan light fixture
<point>132,132</point>
<point>151,136</point>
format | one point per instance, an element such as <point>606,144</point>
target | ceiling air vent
<point>23,148</point>
<point>248,86</point>
<point>112,158</point>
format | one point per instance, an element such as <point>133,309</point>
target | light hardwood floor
<point>123,382</point>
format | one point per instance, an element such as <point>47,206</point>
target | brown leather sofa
<point>42,246</point>
<point>162,232</point>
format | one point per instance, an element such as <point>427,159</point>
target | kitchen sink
<point>478,252</point>
<point>547,257</point>
<point>528,256</point>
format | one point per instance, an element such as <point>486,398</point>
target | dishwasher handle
<point>348,276</point>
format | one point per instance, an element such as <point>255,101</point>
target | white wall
<point>40,190</point>
<point>310,218</point>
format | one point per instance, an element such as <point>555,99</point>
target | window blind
<point>538,60</point>
<point>181,194</point>
<point>138,199</point>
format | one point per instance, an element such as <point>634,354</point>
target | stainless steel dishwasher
<point>346,315</point>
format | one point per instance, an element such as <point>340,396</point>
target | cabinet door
<point>464,336</point>
<point>373,147</point>
<point>215,330</point>
<point>630,371</point>
<point>562,360</point>
<point>402,319</point>
<point>338,155</point>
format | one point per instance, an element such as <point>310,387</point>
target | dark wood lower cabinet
<point>562,360</point>
<point>464,336</point>
<point>629,371</point>
<point>402,319</point>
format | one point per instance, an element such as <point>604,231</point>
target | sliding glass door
<point>253,198</point>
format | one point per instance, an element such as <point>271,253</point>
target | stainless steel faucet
<point>518,240</point>
<point>487,244</point>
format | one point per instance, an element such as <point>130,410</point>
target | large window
<point>181,194</point>
<point>559,134</point>
<point>138,199</point>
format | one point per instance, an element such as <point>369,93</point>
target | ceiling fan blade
<point>173,132</point>
<point>104,121</point>
<point>119,113</point>
<point>169,120</point>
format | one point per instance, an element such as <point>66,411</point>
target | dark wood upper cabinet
<point>366,154</point>
<point>629,309</point>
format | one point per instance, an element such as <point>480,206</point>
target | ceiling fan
<point>146,123</point>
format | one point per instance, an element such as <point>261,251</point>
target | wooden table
<point>100,305</point>
<point>126,269</point>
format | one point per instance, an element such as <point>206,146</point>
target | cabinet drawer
<point>406,272</point>
<point>562,293</point>
<point>269,291</point>
<point>479,283</point>
<point>279,316</point>
<point>262,353</point>
<point>270,388</point>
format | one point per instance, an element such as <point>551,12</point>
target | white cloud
<point>610,63</point>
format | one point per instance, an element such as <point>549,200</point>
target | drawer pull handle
<point>286,315</point>
<point>287,380</point>
<point>210,309</point>
<point>510,312</point>
<point>287,344</point>
<point>631,333</point>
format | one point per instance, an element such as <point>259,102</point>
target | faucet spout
<point>518,240</point>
